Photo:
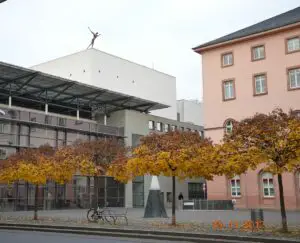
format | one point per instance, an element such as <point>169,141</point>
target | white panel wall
<point>98,68</point>
<point>190,111</point>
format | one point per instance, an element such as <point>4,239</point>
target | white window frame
<point>166,127</point>
<point>268,177</point>
<point>258,52</point>
<point>159,126</point>
<point>228,126</point>
<point>235,185</point>
<point>151,125</point>
<point>261,79</point>
<point>228,84</point>
<point>227,59</point>
<point>293,44</point>
<point>296,73</point>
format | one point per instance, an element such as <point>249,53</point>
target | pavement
<point>136,215</point>
<point>195,226</point>
<point>45,237</point>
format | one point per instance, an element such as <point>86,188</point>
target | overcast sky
<point>157,33</point>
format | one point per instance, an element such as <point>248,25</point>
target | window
<point>258,53</point>
<point>294,78</point>
<point>260,84</point>
<point>61,121</point>
<point>151,125</point>
<point>2,127</point>
<point>167,127</point>
<point>227,59</point>
<point>188,129</point>
<point>48,120</point>
<point>201,133</point>
<point>235,183</point>
<point>159,126</point>
<point>195,190</point>
<point>228,90</point>
<point>182,128</point>
<point>33,119</point>
<point>267,183</point>
<point>173,127</point>
<point>293,44</point>
<point>2,154</point>
<point>228,126</point>
<point>296,113</point>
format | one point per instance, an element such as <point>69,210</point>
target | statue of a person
<point>95,36</point>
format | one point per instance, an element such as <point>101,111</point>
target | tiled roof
<point>281,20</point>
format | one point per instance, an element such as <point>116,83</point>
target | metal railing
<point>199,204</point>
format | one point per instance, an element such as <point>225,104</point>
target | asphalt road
<point>7,236</point>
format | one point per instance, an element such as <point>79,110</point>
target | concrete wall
<point>103,70</point>
<point>190,111</point>
<point>136,123</point>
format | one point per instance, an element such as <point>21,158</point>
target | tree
<point>39,165</point>
<point>172,154</point>
<point>271,140</point>
<point>96,156</point>
<point>31,165</point>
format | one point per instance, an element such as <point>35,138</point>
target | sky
<point>155,33</point>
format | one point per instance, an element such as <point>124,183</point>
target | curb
<point>142,234</point>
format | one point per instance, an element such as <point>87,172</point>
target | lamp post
<point>2,1</point>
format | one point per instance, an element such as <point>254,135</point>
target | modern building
<point>190,111</point>
<point>255,69</point>
<point>39,108</point>
<point>95,67</point>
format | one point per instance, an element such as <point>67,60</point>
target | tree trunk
<point>89,190</point>
<point>282,205</point>
<point>95,203</point>
<point>173,201</point>
<point>36,202</point>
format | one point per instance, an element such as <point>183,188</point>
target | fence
<point>198,204</point>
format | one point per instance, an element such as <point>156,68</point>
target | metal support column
<point>18,142</point>
<point>56,138</point>
<point>65,137</point>
<point>9,98</point>
<point>46,103</point>
<point>29,136</point>
<point>77,111</point>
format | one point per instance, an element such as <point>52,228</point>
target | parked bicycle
<point>104,214</point>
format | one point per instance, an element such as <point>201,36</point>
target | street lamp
<point>2,1</point>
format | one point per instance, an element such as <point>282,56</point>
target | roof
<point>278,21</point>
<point>28,84</point>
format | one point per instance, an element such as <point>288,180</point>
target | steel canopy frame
<point>42,88</point>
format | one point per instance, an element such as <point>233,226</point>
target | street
<point>7,236</point>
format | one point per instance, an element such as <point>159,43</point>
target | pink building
<point>255,69</point>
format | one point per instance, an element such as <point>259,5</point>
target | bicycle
<point>104,214</point>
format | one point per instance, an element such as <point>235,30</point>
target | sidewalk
<point>136,215</point>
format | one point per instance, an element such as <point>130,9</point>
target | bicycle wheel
<point>109,217</point>
<point>92,215</point>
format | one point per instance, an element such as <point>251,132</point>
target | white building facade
<point>190,111</point>
<point>95,67</point>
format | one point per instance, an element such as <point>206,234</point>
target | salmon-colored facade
<point>274,65</point>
